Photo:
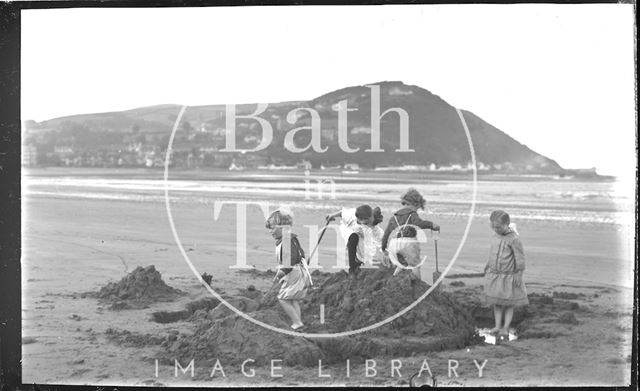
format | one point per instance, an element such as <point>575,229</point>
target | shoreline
<point>299,173</point>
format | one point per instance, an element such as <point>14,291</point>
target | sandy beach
<point>74,243</point>
<point>154,143</point>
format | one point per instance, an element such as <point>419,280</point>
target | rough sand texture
<point>437,323</point>
<point>66,340</point>
<point>138,289</point>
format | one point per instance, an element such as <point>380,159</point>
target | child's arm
<point>489,260</point>
<point>424,224</point>
<point>331,217</point>
<point>347,216</point>
<point>518,252</point>
<point>385,237</point>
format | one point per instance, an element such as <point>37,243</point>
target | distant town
<point>140,155</point>
<point>139,138</point>
<point>149,150</point>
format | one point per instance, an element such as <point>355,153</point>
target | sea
<point>548,198</point>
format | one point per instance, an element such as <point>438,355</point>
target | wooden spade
<point>437,273</point>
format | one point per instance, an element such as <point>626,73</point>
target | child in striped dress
<point>504,288</point>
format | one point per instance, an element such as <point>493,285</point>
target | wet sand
<point>71,246</point>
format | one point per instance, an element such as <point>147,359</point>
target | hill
<point>435,133</point>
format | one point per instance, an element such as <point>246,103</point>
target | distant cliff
<point>139,136</point>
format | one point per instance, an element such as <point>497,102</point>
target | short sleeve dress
<point>505,258</point>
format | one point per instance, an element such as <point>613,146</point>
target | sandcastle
<point>138,289</point>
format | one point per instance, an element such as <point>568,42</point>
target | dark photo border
<point>10,169</point>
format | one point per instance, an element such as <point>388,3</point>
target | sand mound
<point>567,318</point>
<point>190,310</point>
<point>233,339</point>
<point>471,299</point>
<point>437,323</point>
<point>546,316</point>
<point>376,295</point>
<point>442,321</point>
<point>209,308</point>
<point>137,289</point>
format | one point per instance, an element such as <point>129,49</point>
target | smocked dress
<point>506,258</point>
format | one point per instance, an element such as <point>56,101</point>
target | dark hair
<point>377,216</point>
<point>363,212</point>
<point>500,216</point>
<point>407,232</point>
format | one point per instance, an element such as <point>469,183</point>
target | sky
<point>558,78</point>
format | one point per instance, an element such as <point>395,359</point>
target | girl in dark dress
<point>411,201</point>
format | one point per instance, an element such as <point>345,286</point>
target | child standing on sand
<point>503,285</point>
<point>294,277</point>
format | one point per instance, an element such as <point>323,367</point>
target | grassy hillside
<point>435,133</point>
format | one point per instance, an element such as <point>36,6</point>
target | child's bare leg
<point>290,310</point>
<point>296,306</point>
<point>508,315</point>
<point>497,315</point>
